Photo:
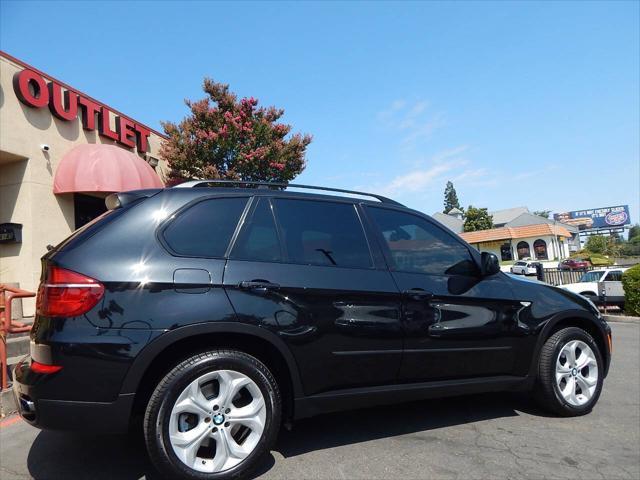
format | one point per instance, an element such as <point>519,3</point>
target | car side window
<point>205,229</point>
<point>258,239</point>
<point>322,233</point>
<point>417,245</point>
<point>613,277</point>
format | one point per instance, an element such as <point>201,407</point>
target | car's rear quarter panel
<point>139,304</point>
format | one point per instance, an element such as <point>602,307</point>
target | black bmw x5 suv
<point>214,313</point>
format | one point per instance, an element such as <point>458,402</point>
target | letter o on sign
<point>39,97</point>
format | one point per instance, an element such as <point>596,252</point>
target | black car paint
<point>349,337</point>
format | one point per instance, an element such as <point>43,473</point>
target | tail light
<point>38,367</point>
<point>64,293</point>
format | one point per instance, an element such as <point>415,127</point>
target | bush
<point>631,285</point>
<point>596,259</point>
<point>599,260</point>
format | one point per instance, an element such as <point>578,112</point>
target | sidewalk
<point>17,348</point>
<point>621,318</point>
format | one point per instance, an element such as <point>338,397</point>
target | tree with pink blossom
<point>227,138</point>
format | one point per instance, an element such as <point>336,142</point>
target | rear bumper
<point>50,414</point>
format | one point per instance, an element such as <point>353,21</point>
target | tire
<point>590,295</point>
<point>562,386</point>
<point>188,435</point>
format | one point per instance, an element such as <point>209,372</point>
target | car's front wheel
<point>569,373</point>
<point>591,296</point>
<point>213,416</point>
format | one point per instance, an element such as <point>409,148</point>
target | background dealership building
<point>61,153</point>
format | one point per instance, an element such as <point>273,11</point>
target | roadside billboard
<point>596,218</point>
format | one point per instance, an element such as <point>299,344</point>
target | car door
<point>456,323</point>
<point>304,269</point>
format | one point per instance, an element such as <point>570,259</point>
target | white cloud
<point>389,112</point>
<point>454,152</point>
<point>524,175</point>
<point>470,175</point>
<point>416,180</point>
<point>413,120</point>
<point>422,130</point>
<point>423,176</point>
<point>410,118</point>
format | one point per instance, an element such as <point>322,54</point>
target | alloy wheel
<point>217,421</point>
<point>576,372</point>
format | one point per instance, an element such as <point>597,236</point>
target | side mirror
<point>489,264</point>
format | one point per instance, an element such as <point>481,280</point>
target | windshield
<point>521,263</point>
<point>591,276</point>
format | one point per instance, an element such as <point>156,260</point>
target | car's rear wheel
<point>213,416</point>
<point>569,373</point>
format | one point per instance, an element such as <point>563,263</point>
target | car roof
<point>359,197</point>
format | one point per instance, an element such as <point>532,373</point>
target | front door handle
<point>261,285</point>
<point>418,294</point>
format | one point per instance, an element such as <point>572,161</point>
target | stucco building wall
<point>26,178</point>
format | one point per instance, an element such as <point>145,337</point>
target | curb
<point>621,319</point>
<point>7,403</point>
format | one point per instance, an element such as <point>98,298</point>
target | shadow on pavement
<point>344,428</point>
<point>56,455</point>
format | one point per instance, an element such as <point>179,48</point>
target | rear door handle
<point>418,294</point>
<point>258,285</point>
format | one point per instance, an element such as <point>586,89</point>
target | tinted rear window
<point>322,233</point>
<point>205,229</point>
<point>89,229</point>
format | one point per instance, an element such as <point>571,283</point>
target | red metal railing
<point>7,325</point>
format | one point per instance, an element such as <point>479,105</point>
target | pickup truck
<point>600,285</point>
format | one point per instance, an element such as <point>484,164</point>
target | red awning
<point>103,168</point>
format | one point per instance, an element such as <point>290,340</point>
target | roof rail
<point>214,182</point>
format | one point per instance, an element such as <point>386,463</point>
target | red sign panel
<point>33,90</point>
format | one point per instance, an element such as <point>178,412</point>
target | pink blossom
<point>277,166</point>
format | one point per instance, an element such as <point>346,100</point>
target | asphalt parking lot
<point>481,436</point>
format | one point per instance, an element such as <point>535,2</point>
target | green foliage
<point>596,259</point>
<point>227,138</point>
<point>631,285</point>
<point>596,244</point>
<point>542,213</point>
<point>599,260</point>
<point>602,245</point>
<point>450,198</point>
<point>631,248</point>
<point>477,219</point>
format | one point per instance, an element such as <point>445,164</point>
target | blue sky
<point>532,103</point>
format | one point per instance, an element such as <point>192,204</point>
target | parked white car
<point>523,267</point>
<point>588,283</point>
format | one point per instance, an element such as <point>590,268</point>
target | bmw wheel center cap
<point>218,419</point>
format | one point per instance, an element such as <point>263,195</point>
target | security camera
<point>44,147</point>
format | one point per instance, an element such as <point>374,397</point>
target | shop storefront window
<point>505,252</point>
<point>523,250</point>
<point>87,208</point>
<point>540,247</point>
